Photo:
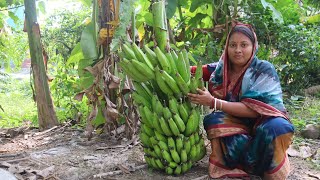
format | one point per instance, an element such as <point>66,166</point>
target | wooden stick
<point>104,175</point>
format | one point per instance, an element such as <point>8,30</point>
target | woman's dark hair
<point>244,30</point>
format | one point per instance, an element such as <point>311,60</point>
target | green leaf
<point>197,3</point>
<point>313,19</point>
<point>86,2</point>
<point>275,13</point>
<point>76,55</point>
<point>42,7</point>
<point>171,8</point>
<point>88,42</point>
<point>13,17</point>
<point>197,19</point>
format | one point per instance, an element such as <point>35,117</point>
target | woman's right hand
<point>203,97</point>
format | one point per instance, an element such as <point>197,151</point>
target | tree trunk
<point>46,114</point>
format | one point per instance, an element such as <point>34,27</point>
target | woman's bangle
<point>215,104</point>
<point>220,105</point>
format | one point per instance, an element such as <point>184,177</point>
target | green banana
<point>159,163</point>
<point>152,153</point>
<point>151,56</point>
<point>159,108</point>
<point>199,72</point>
<point>174,55</point>
<point>184,155</point>
<point>193,153</point>
<point>147,130</point>
<point>192,140</point>
<point>141,56</point>
<point>172,164</point>
<point>187,145</point>
<point>173,105</point>
<point>196,137</point>
<point>187,62</point>
<point>154,99</point>
<point>133,73</point>
<point>149,115</point>
<point>153,163</point>
<point>162,59</point>
<point>174,128</point>
<point>156,124</point>
<point>183,113</point>
<point>169,170</point>
<point>147,159</point>
<point>143,117</point>
<point>167,113</point>
<point>166,155</point>
<point>193,85</point>
<point>179,122</point>
<point>179,143</point>
<point>192,124</point>
<point>178,170</point>
<point>128,51</point>
<point>153,140</point>
<point>159,136</point>
<point>143,69</point>
<point>200,83</point>
<point>171,62</point>
<point>145,139</point>
<point>165,127</point>
<point>140,100</point>
<point>198,152</point>
<point>164,87</point>
<point>129,73</point>
<point>203,150</point>
<point>183,69</point>
<point>183,86</point>
<point>157,150</point>
<point>184,167</point>
<point>141,91</point>
<point>189,164</point>
<point>163,146</point>
<point>171,143</point>
<point>170,82</point>
<point>175,156</point>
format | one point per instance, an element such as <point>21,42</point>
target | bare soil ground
<point>64,153</point>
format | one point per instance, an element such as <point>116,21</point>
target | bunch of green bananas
<point>170,131</point>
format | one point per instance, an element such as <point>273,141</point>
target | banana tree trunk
<point>46,113</point>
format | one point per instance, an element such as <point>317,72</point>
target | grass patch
<point>304,111</point>
<point>16,101</point>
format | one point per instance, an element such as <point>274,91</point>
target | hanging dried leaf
<point>112,113</point>
<point>79,96</point>
<point>127,86</point>
<point>114,82</point>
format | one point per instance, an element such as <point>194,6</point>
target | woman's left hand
<point>203,97</point>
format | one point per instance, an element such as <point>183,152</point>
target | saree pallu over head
<point>257,86</point>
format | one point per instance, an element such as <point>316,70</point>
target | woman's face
<point>240,49</point>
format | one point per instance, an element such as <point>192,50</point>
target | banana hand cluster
<point>170,132</point>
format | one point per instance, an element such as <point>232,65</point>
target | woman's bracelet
<point>215,104</point>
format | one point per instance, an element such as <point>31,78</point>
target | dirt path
<point>63,153</point>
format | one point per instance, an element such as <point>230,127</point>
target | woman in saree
<point>249,129</point>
